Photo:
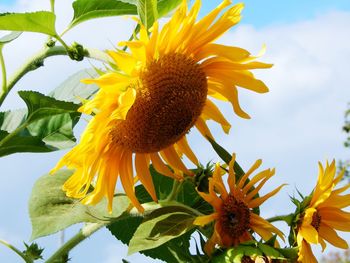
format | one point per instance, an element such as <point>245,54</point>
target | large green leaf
<point>89,9</point>
<point>173,251</point>
<point>19,143</point>
<point>41,22</point>
<point>166,6</point>
<point>40,106</point>
<point>73,90</point>
<point>158,230</point>
<point>148,12</point>
<point>177,249</point>
<point>10,120</point>
<point>45,126</point>
<point>51,210</point>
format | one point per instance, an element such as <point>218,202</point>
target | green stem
<point>3,71</point>
<point>37,61</point>
<point>17,251</point>
<point>285,218</point>
<point>84,233</point>
<point>52,5</point>
<point>59,39</point>
<point>174,191</point>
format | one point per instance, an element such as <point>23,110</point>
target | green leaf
<point>270,251</point>
<point>226,157</point>
<point>158,230</point>
<point>73,90</point>
<point>163,185</point>
<point>41,22</point>
<point>89,9</point>
<point>236,254</point>
<point>46,126</point>
<point>51,210</point>
<point>56,131</point>
<point>19,143</point>
<point>166,6</point>
<point>289,253</point>
<point>9,37</point>
<point>10,120</point>
<point>147,11</point>
<point>40,106</point>
<point>173,251</point>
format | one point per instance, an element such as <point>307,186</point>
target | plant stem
<point>59,39</point>
<point>174,191</point>
<point>3,71</point>
<point>84,233</point>
<point>17,251</point>
<point>52,5</point>
<point>37,61</point>
<point>285,218</point>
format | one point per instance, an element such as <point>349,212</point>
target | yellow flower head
<point>233,215</point>
<point>143,112</point>
<point>324,214</point>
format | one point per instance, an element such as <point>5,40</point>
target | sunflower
<point>233,215</point>
<point>143,111</point>
<point>324,215</point>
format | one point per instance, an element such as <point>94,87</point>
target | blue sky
<point>270,12</point>
<point>293,126</point>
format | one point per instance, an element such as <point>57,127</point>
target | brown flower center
<point>171,93</point>
<point>247,259</point>
<point>316,220</point>
<point>235,217</point>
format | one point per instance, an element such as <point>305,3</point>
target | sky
<point>295,125</point>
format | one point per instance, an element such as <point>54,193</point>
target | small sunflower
<point>233,215</point>
<point>324,214</point>
<point>143,111</point>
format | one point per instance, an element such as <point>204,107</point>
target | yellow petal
<point>264,174</point>
<point>258,201</point>
<point>309,233</point>
<point>244,178</point>
<point>186,149</point>
<point>160,166</point>
<point>203,128</point>
<point>332,237</point>
<point>204,220</point>
<point>143,173</point>
<point>231,53</point>
<point>126,62</point>
<point>212,112</point>
<point>126,100</point>
<point>126,178</point>
<point>231,180</point>
<point>218,183</point>
<point>240,78</point>
<point>174,160</point>
<point>230,93</point>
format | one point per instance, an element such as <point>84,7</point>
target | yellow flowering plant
<point>138,108</point>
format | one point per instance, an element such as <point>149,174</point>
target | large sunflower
<point>143,111</point>
<point>324,214</point>
<point>234,217</point>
